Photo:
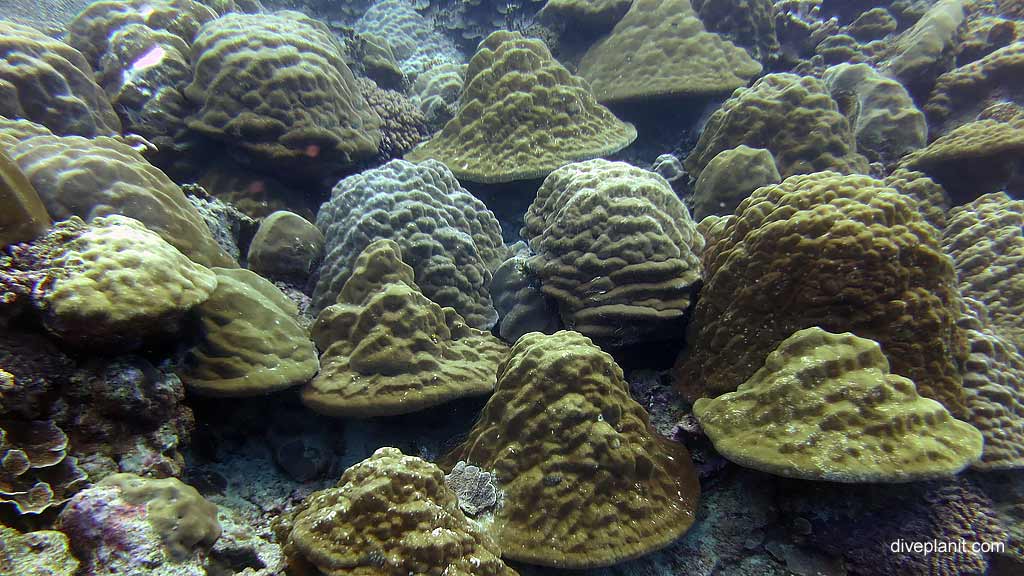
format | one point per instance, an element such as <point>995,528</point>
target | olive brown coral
<point>277,86</point>
<point>45,80</point>
<point>36,471</point>
<point>562,433</point>
<point>730,177</point>
<point>660,48</point>
<point>825,407</point>
<point>616,249</point>
<point>791,116</point>
<point>388,349</point>
<point>389,515</point>
<point>251,340</point>
<point>845,253</point>
<point>522,114</point>
<point>450,238</point>
<point>22,214</point>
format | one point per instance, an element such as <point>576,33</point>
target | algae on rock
<point>521,115</point>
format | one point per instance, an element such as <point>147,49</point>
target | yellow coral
<point>825,407</point>
<point>563,435</point>
<point>660,47</point>
<point>522,114</point>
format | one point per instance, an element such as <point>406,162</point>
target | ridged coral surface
<point>251,341</point>
<point>616,249</point>
<point>587,481</point>
<point>522,114</point>
<point>845,253</point>
<point>994,386</point>
<point>794,117</point>
<point>986,240</point>
<point>659,48</point>
<point>117,280</point>
<point>103,176</point>
<point>387,349</point>
<point>825,407</point>
<point>277,86</point>
<point>449,237</point>
<point>390,515</point>
<point>961,94</point>
<point>46,81</point>
<point>37,472</point>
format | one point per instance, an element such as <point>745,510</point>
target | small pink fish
<point>154,56</point>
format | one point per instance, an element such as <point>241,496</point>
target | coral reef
<point>251,341</point>
<point>521,115</point>
<point>730,177</point>
<point>40,553</point>
<point>616,249</point>
<point>450,238</point>
<point>933,201</point>
<point>277,86</point>
<point>437,92</point>
<point>920,54</point>
<point>22,214</point>
<point>414,42</point>
<point>620,490</point>
<point>49,82</point>
<point>113,282</point>
<point>986,240</point>
<point>747,23</point>
<point>101,176</point>
<point>37,472</point>
<point>791,116</point>
<point>389,514</point>
<point>255,194</point>
<point>886,123</point>
<point>844,253</point>
<point>825,407</point>
<point>388,350</point>
<point>660,48</point>
<point>403,126</point>
<point>521,305</point>
<point>286,247</point>
<point>475,488</point>
<point>994,388</point>
<point>596,17</point>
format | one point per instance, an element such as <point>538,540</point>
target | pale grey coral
<point>414,41</point>
<point>521,305</point>
<point>477,490</point>
<point>450,238</point>
<point>437,92</point>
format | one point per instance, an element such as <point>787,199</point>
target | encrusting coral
<point>39,553</point>
<point>791,116</point>
<point>448,236</point>
<point>844,253</point>
<point>521,115</point>
<point>389,515</point>
<point>36,472</point>
<point>251,342</point>
<point>388,349</point>
<point>113,281</point>
<point>45,80</point>
<point>616,249</point>
<point>277,86</point>
<point>660,48</point>
<point>986,240</point>
<point>82,177</point>
<point>562,433</point>
<point>825,407</point>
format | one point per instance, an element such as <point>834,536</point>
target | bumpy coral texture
<point>95,27</point>
<point>449,237</point>
<point>403,126</point>
<point>563,434</point>
<point>885,121</point>
<point>660,47</point>
<point>616,249</point>
<point>932,199</point>
<point>522,114</point>
<point>414,40</point>
<point>39,553</point>
<point>437,92</point>
<point>994,386</point>
<point>390,515</point>
<point>387,349</point>
<point>747,23</point>
<point>276,85</point>
<point>730,177</point>
<point>251,341</point>
<point>961,94</point>
<point>825,407</point>
<point>47,81</point>
<point>845,253</point>
<point>793,117</point>
<point>986,240</point>
<point>96,177</point>
<point>37,473</point>
<point>117,280</point>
